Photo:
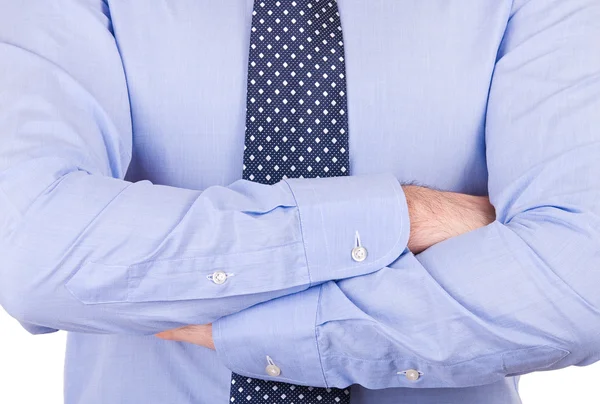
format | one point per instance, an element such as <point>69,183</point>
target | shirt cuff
<point>332,213</point>
<point>341,213</point>
<point>271,240</point>
<point>283,330</point>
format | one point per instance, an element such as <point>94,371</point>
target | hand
<point>194,334</point>
<point>437,215</point>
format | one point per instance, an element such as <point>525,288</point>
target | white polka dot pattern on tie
<point>246,390</point>
<point>296,119</point>
<point>296,126</point>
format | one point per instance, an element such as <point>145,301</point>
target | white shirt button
<point>273,370</point>
<point>219,277</point>
<point>359,254</point>
<point>412,375</point>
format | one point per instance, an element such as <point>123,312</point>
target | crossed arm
<point>434,215</point>
<point>515,296</point>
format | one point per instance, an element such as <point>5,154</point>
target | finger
<point>168,335</point>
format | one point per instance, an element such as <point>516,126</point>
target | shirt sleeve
<point>517,296</point>
<point>83,250</point>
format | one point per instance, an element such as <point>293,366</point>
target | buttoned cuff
<point>337,216</point>
<point>283,330</point>
<point>351,226</point>
<point>269,239</point>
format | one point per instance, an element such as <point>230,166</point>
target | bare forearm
<point>438,215</point>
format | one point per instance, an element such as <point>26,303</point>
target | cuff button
<point>412,375</point>
<point>219,277</point>
<point>273,370</point>
<point>359,254</point>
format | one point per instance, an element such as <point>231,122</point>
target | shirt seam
<point>223,351</point>
<point>440,365</point>
<point>169,260</point>
<point>317,337</point>
<point>301,224</point>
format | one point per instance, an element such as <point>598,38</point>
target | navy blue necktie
<point>296,127</point>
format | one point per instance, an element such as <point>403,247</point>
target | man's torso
<point>418,75</point>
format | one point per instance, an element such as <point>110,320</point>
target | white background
<point>31,372</point>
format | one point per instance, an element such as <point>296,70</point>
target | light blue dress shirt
<point>121,142</point>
